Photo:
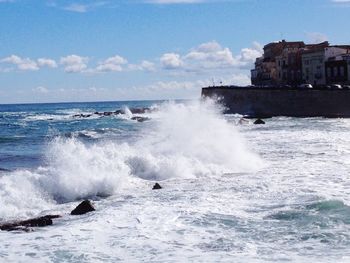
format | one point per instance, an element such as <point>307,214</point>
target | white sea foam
<point>46,117</point>
<point>295,209</point>
<point>182,140</point>
<point>20,195</point>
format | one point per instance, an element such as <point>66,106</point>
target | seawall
<point>269,102</point>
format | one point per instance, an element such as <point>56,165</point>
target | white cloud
<point>82,8</point>
<point>47,62</point>
<point>111,64</point>
<point>24,64</point>
<point>41,90</point>
<point>316,37</point>
<point>180,89</point>
<point>171,61</point>
<point>211,56</point>
<point>79,8</point>
<point>74,63</point>
<point>248,56</point>
<point>145,65</point>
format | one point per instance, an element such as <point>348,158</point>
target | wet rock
<point>82,115</point>
<point>140,119</point>
<point>139,110</point>
<point>83,208</point>
<point>26,224</point>
<point>259,121</point>
<point>156,186</point>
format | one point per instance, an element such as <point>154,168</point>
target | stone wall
<point>258,102</point>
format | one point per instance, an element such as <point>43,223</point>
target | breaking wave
<point>191,140</point>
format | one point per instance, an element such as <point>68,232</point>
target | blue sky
<point>56,50</point>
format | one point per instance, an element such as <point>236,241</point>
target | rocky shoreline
<point>27,225</point>
<point>118,112</point>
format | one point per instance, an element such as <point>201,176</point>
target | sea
<point>231,191</point>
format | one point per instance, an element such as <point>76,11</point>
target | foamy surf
<point>182,140</point>
<point>219,199</point>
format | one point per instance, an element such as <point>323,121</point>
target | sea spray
<point>77,170</point>
<point>198,136</point>
<point>182,140</point>
<point>20,195</point>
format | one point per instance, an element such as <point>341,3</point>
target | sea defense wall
<point>269,102</point>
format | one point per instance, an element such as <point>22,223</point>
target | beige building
<point>313,63</point>
<point>313,67</point>
<point>288,66</point>
<point>266,67</point>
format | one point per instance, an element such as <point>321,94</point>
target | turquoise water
<point>231,192</point>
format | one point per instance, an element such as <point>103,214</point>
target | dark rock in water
<point>140,119</point>
<point>83,208</point>
<point>157,187</point>
<point>259,121</point>
<point>26,224</point>
<point>139,110</point>
<point>109,113</point>
<point>82,115</point>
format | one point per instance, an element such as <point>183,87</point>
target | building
<point>293,63</point>
<point>267,71</point>
<point>338,70</point>
<point>313,67</point>
<point>264,72</point>
<point>288,65</point>
<point>314,59</point>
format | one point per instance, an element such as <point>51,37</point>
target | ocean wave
<point>184,141</point>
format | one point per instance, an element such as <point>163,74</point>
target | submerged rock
<point>25,225</point>
<point>156,186</point>
<point>83,208</point>
<point>140,119</point>
<point>259,121</point>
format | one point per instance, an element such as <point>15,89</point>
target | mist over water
<point>275,192</point>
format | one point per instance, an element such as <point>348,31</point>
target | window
<point>342,71</point>
<point>335,72</point>
<point>329,73</point>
